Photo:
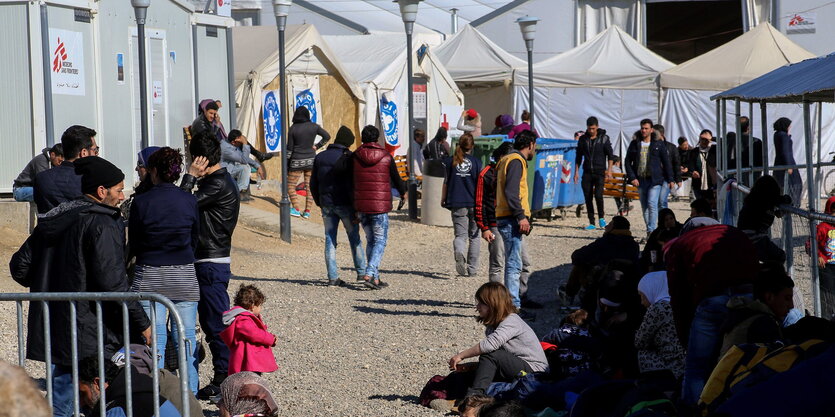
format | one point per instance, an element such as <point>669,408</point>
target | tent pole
<point>810,186</point>
<point>764,123</point>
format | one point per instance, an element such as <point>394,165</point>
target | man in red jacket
<point>374,176</point>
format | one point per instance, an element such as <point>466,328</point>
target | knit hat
<point>97,172</point>
<point>471,113</point>
<point>344,137</point>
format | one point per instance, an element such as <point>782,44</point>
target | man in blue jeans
<point>375,174</point>
<point>332,187</point>
<point>513,209</point>
<point>23,186</point>
<point>648,168</point>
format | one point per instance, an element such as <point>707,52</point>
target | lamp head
<point>282,7</point>
<point>408,10</point>
<point>527,25</point>
<point>140,9</point>
<point>141,4</point>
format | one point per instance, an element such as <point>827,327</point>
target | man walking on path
<point>594,152</point>
<point>79,247</point>
<point>332,188</point>
<point>23,185</point>
<point>648,168</point>
<point>374,176</point>
<point>218,202</point>
<point>513,208</point>
<point>57,185</point>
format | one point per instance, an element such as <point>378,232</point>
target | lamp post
<point>140,9</point>
<point>282,9</point>
<point>527,25</point>
<point>408,11</point>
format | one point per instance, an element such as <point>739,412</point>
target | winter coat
<point>826,236</point>
<point>656,341</point>
<point>617,244</point>
<point>784,155</point>
<point>485,198</point>
<point>757,144</point>
<point>219,203</point>
<point>374,175</point>
<point>436,149</point>
<point>55,186</point>
<point>705,173</point>
<point>331,182</point>
<point>142,396</point>
<point>202,125</point>
<point>749,321</point>
<point>38,164</point>
<point>675,160</point>
<point>250,344</point>
<point>594,154</point>
<point>658,162</point>
<point>78,247</point>
<point>164,226</point>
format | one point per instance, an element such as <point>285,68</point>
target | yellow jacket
<point>503,209</point>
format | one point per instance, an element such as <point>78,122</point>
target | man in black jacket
<point>57,185</point>
<point>594,151</point>
<point>675,165</point>
<point>756,145</point>
<point>219,202</point>
<point>79,247</point>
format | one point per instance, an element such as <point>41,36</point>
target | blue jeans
<point>62,391</point>
<point>648,195</point>
<point>512,237</point>
<point>24,194</point>
<point>664,197</point>
<point>240,173</point>
<point>331,216</point>
<point>376,228</point>
<point>188,313</point>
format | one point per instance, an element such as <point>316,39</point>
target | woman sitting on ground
<point>246,394</point>
<point>510,346</point>
<point>658,346</point>
<point>667,223</point>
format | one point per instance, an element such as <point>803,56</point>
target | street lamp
<point>527,25</point>
<point>408,11</point>
<point>282,9</point>
<point>140,9</point>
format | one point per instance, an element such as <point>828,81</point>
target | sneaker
<point>208,392</point>
<point>306,214</point>
<point>590,227</point>
<point>602,223</point>
<point>461,264</point>
<point>294,212</point>
<point>527,315</point>
<point>336,283</point>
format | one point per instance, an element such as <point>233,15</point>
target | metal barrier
<point>121,297</point>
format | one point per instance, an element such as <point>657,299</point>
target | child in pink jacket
<point>250,344</point>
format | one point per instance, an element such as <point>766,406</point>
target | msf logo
<point>60,55</point>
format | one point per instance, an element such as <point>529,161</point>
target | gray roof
<point>813,79</point>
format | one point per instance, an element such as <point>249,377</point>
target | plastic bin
<point>485,145</point>
<point>568,193</point>
<point>544,175</point>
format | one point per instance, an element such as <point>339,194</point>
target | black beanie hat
<point>344,137</point>
<point>95,172</point>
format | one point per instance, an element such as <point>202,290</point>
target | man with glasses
<point>61,183</point>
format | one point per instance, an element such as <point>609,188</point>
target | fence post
<point>813,198</point>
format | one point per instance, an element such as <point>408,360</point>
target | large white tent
<point>482,70</point>
<point>378,63</point>
<point>611,76</point>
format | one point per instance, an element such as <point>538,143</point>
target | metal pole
<point>764,122</point>
<point>143,82</point>
<point>750,143</point>
<point>738,142</point>
<point>723,133</point>
<point>284,204</point>
<point>818,178</point>
<point>230,69</point>
<point>412,191</point>
<point>718,131</point>
<point>529,44</point>
<point>49,122</point>
<point>810,186</point>
<point>195,64</point>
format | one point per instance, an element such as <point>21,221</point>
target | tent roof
<point>750,55</point>
<point>812,78</point>
<point>611,59</point>
<point>266,37</point>
<point>470,56</point>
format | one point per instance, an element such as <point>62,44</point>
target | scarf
<point>654,287</point>
<point>247,393</point>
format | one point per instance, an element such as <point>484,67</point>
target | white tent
<point>482,70</point>
<point>308,57</point>
<point>611,77</point>
<point>378,63</point>
<point>687,108</point>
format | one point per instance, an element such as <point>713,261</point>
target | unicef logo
<point>388,112</point>
<point>272,122</point>
<point>305,98</point>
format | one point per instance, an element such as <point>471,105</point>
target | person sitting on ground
<point>502,409</point>
<point>234,156</point>
<point>826,262</point>
<point>617,242</point>
<point>472,405</point>
<point>458,195</point>
<point>700,207</point>
<point>652,250</point>
<point>617,319</point>
<point>438,147</point>
<point>658,346</point>
<point>116,391</point>
<point>246,394</point>
<point>757,215</point>
<point>470,122</point>
<point>574,345</point>
<point>250,344</point>
<point>23,186</point>
<point>509,346</point>
<point>19,394</point>
<point>504,124</point>
<point>760,320</point>
<point>521,127</point>
<point>61,183</point>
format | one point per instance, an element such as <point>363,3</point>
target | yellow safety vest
<point>502,209</point>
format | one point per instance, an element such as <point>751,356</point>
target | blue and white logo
<point>306,99</point>
<point>272,122</point>
<point>388,117</point>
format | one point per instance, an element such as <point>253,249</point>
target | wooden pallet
<point>618,187</point>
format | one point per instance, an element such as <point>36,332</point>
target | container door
<point>156,84</point>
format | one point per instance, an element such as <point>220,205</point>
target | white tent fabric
<point>595,16</point>
<point>611,77</point>
<point>470,57</point>
<point>378,63</point>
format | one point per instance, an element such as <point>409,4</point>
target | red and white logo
<point>60,55</point>
<point>220,3</point>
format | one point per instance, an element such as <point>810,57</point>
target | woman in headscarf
<point>246,393</point>
<point>658,346</point>
<point>784,155</point>
<point>301,151</point>
<point>144,183</point>
<point>504,124</point>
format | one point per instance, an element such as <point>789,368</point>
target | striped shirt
<point>176,282</point>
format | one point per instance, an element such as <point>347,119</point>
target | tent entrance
<point>680,30</point>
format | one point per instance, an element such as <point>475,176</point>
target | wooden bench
<point>618,187</point>
<point>402,163</point>
<point>186,142</point>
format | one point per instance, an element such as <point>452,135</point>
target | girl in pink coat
<point>250,344</point>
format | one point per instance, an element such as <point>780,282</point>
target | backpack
<point>745,366</point>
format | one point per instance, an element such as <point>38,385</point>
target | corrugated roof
<point>813,78</point>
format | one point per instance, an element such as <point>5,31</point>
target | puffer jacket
<point>219,203</point>
<point>250,344</point>
<point>374,176</point>
<point>77,247</point>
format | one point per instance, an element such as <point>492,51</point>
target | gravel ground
<point>356,352</point>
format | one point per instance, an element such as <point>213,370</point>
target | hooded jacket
<point>826,236</point>
<point>218,202</point>
<point>38,164</point>
<point>77,247</point>
<point>331,183</point>
<point>749,321</point>
<point>250,344</point>
<point>374,175</point>
<point>142,396</point>
<point>617,244</point>
<point>594,154</point>
<point>658,161</point>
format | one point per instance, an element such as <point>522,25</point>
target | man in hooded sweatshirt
<point>594,153</point>
<point>374,176</point>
